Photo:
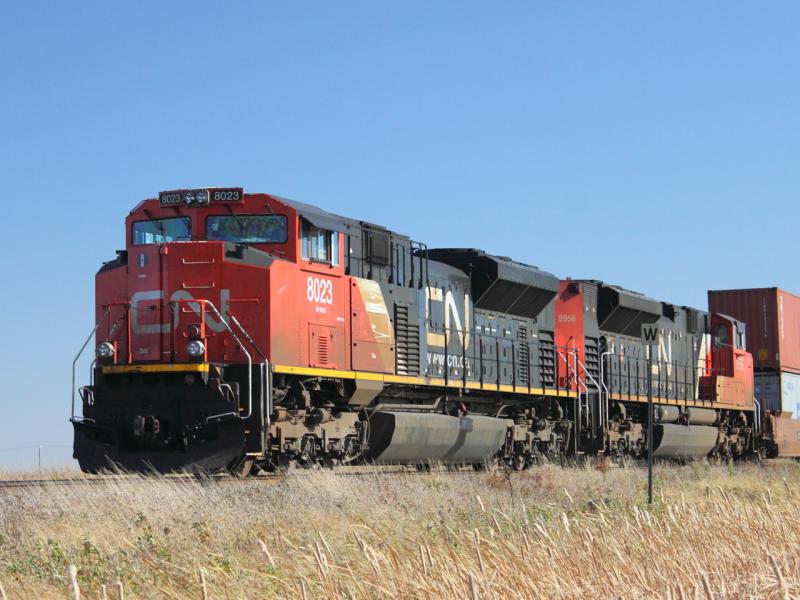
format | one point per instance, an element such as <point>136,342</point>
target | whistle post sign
<point>650,334</point>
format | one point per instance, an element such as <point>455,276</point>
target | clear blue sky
<point>653,145</point>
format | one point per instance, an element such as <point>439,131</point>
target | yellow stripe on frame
<point>413,380</point>
<point>674,402</point>
<point>159,368</point>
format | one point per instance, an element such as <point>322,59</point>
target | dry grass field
<point>712,532</point>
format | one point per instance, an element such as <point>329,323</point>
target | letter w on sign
<point>650,334</point>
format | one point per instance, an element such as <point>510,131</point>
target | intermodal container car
<point>772,317</point>
<point>779,392</point>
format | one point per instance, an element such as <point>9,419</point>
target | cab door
<point>722,345</point>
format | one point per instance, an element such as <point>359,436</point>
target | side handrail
<point>758,416</point>
<point>578,408</point>
<point>602,414</point>
<point>607,406</point>
<point>249,364</point>
<point>78,355</point>
<point>225,322</point>
<point>266,376</point>
<point>573,375</point>
<point>247,336</point>
<point>266,394</point>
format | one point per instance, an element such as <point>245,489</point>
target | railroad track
<point>133,480</point>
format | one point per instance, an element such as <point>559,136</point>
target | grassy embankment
<point>713,532</point>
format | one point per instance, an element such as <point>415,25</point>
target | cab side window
<point>721,336</point>
<point>318,245</point>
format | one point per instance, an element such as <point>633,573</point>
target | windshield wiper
<point>239,222</point>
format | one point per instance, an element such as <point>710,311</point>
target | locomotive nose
<point>188,423</point>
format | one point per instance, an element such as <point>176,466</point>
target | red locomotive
<point>246,329</point>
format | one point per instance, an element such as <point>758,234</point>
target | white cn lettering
<point>211,320</point>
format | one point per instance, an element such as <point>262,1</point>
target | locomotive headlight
<point>105,350</point>
<point>188,197</point>
<point>195,348</point>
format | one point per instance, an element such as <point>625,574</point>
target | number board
<point>221,195</point>
<point>226,195</point>
<point>170,198</point>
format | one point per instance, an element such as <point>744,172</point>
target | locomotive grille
<point>406,341</point>
<point>322,350</point>
<point>547,360</point>
<point>592,349</point>
<point>524,355</point>
<point>320,347</point>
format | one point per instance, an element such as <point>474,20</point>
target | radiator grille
<point>592,349</point>
<point>523,352</point>
<point>406,342</point>
<point>547,360</point>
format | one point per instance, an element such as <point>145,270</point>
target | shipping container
<point>772,317</point>
<point>779,392</point>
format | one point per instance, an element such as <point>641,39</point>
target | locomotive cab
<point>730,379</point>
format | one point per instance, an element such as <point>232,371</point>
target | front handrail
<point>78,355</point>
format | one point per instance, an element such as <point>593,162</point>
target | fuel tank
<point>667,414</point>
<point>683,441</point>
<point>412,437</point>
<point>701,416</point>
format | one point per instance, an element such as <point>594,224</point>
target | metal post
<point>40,461</point>
<point>649,425</point>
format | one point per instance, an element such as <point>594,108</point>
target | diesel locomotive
<point>241,330</point>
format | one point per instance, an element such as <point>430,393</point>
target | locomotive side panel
<point>447,324</point>
<point>308,323</point>
<point>508,340</point>
<point>373,342</point>
<point>678,360</point>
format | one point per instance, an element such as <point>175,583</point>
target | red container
<point>772,317</point>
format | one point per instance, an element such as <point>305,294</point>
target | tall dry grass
<point>713,532</point>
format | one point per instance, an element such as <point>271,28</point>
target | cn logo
<point>211,319</point>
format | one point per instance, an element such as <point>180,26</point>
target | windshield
<point>248,229</point>
<point>162,230</point>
